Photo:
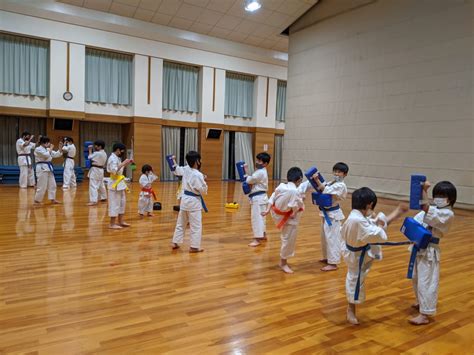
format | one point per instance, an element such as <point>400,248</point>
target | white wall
<point>386,88</point>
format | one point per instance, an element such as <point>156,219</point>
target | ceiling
<point>225,19</point>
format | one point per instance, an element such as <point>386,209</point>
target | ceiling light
<point>252,6</point>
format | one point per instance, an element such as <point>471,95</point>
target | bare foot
<point>286,268</point>
<point>254,243</point>
<point>125,224</point>
<point>174,246</point>
<point>92,204</point>
<point>104,200</point>
<point>37,203</point>
<point>329,267</point>
<point>141,216</point>
<point>420,319</point>
<point>150,215</point>
<point>115,226</point>
<point>55,202</point>
<point>324,261</point>
<point>415,306</point>
<point>195,250</point>
<point>351,317</point>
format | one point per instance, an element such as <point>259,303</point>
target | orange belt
<point>286,216</point>
<point>150,191</point>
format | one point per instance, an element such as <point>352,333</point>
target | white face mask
<point>440,202</point>
<point>338,178</point>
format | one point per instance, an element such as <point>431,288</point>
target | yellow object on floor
<point>232,205</point>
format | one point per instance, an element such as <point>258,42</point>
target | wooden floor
<point>69,285</point>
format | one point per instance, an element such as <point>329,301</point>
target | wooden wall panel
<point>260,140</point>
<point>56,136</point>
<point>147,146</point>
<point>211,152</point>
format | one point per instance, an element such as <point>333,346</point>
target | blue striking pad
<point>240,170</point>
<point>322,200</point>
<point>169,159</point>
<point>309,173</point>
<point>416,233</point>
<point>416,191</point>
<point>246,188</point>
<point>86,153</point>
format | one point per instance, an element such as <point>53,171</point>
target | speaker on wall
<point>213,133</point>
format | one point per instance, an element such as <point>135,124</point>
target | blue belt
<point>48,163</point>
<point>253,194</point>
<point>325,211</point>
<point>189,193</point>
<point>414,252</point>
<point>364,249</point>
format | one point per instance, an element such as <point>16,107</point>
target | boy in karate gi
<point>438,219</point>
<point>24,145</point>
<point>98,160</point>
<point>117,186</point>
<point>44,154</point>
<point>191,204</point>
<point>147,195</point>
<point>286,206</point>
<point>358,231</point>
<point>69,152</point>
<point>258,197</point>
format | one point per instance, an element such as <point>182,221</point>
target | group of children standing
<point>355,240</point>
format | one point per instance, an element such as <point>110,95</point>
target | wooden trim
<point>266,97</point>
<point>75,115</point>
<point>68,67</point>
<point>214,90</point>
<point>241,128</point>
<point>270,130</point>
<point>19,111</point>
<point>94,117</point>
<point>173,123</point>
<point>149,81</point>
<point>146,120</point>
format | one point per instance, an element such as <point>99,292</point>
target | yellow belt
<point>118,179</point>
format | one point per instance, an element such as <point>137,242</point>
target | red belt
<point>150,191</point>
<point>286,216</point>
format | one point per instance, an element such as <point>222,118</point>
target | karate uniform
<point>117,197</point>
<point>190,206</point>
<point>145,201</point>
<point>27,178</point>
<point>358,231</point>
<point>96,176</point>
<point>44,173</point>
<point>287,198</point>
<point>258,203</point>
<point>331,242</point>
<point>69,176</point>
<point>426,269</point>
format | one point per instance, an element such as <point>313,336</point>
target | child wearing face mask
<point>438,219</point>
<point>258,197</point>
<point>286,206</point>
<point>332,216</point>
<point>358,231</point>
<point>191,204</point>
<point>117,186</point>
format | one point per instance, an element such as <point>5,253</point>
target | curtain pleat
<point>225,156</point>
<point>277,157</point>
<point>243,150</point>
<point>281,101</point>
<point>239,95</point>
<point>109,77</point>
<point>170,139</point>
<point>24,66</point>
<point>110,133</point>
<point>190,139</point>
<point>180,87</point>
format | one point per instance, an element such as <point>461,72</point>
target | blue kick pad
<point>416,191</point>
<point>416,233</point>
<point>309,173</point>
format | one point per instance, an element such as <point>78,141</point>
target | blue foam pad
<point>416,191</point>
<point>86,153</point>
<point>10,174</point>
<point>169,159</point>
<point>416,233</point>
<point>309,173</point>
<point>246,188</point>
<point>322,200</point>
<point>240,170</point>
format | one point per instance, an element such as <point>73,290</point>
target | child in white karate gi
<point>147,195</point>
<point>69,152</point>
<point>438,219</point>
<point>98,160</point>
<point>192,203</point>
<point>358,231</point>
<point>44,154</point>
<point>24,145</point>
<point>286,206</point>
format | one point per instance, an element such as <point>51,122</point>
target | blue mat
<point>11,174</point>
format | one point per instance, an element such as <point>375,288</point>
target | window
<point>180,87</point>
<point>239,95</point>
<point>281,101</point>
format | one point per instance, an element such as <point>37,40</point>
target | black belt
<point>97,166</point>
<point>253,194</point>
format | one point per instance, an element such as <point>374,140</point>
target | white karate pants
<point>117,202</point>
<point>331,242</point>
<point>195,225</point>
<point>45,183</point>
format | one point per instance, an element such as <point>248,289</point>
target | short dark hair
<point>445,189</point>
<point>342,167</point>
<point>26,133</point>
<point>192,157</point>
<point>120,146</point>
<point>44,140</point>
<point>294,174</point>
<point>68,139</point>
<point>100,143</point>
<point>363,197</point>
<point>146,168</point>
<point>264,156</point>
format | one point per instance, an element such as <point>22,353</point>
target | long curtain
<point>225,156</point>
<point>243,150</point>
<point>11,129</point>
<point>110,133</point>
<point>190,139</point>
<point>170,142</point>
<point>239,95</point>
<point>24,65</point>
<point>109,77</point>
<point>277,157</point>
<point>281,101</point>
<point>180,87</point>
